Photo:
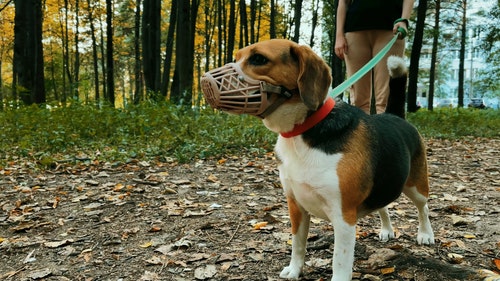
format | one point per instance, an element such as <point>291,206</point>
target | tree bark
<point>95,59</point>
<point>461,64</point>
<point>138,92</point>
<point>183,74</point>
<point>432,72</point>
<point>151,46</point>
<point>244,40</point>
<point>415,56</point>
<point>28,51</point>
<point>297,18</point>
<point>110,83</point>
<point>167,63</point>
<point>77,52</point>
<point>272,20</point>
<point>231,31</point>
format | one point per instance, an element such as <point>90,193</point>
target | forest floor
<point>227,219</point>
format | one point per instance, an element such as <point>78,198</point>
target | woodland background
<point>122,52</point>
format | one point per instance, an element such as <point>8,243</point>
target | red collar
<point>312,120</point>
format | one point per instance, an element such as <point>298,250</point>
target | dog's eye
<point>258,60</point>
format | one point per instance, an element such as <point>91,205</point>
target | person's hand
<point>401,26</point>
<point>340,47</point>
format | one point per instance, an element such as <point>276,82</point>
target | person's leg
<point>358,54</point>
<point>381,73</point>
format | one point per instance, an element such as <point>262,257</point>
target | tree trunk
<point>231,31</point>
<point>297,19</point>
<point>253,17</point>
<point>138,93</point>
<point>209,33</point>
<point>432,73</point>
<point>110,85</point>
<point>95,59</point>
<point>167,63</point>
<point>151,45</point>
<point>77,52</point>
<point>103,62</point>
<point>221,32</point>
<point>28,51</point>
<point>183,74</point>
<point>314,21</point>
<point>66,60</point>
<point>461,64</point>
<point>415,56</point>
<point>244,40</point>
<point>272,20</point>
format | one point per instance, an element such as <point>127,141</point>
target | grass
<point>162,131</point>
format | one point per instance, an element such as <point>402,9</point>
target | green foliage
<point>142,132</point>
<point>455,123</point>
<point>163,131</point>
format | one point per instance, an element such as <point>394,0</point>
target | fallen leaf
<point>259,225</point>
<point>497,263</point>
<point>387,270</point>
<point>155,229</point>
<point>147,244</point>
<point>205,272</point>
<point>57,244</point>
<point>38,274</point>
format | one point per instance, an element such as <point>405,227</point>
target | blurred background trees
<point>120,52</point>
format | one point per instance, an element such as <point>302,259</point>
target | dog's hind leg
<point>386,231</point>
<point>425,234</point>
<point>300,228</point>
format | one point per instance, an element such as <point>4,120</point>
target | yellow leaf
<point>259,225</point>
<point>2,239</point>
<point>118,187</point>
<point>147,244</point>
<point>387,270</point>
<point>469,236</point>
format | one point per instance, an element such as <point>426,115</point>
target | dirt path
<point>226,219</point>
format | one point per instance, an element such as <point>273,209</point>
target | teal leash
<point>361,72</point>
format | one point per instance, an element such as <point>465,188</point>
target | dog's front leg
<point>343,250</point>
<point>300,228</point>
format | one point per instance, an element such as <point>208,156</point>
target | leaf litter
<point>226,219</point>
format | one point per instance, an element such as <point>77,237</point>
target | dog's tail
<point>397,86</point>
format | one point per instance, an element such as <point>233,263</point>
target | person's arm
<point>340,42</point>
<point>405,14</point>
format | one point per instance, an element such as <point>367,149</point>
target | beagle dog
<point>336,162</point>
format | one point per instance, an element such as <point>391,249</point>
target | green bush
<point>452,123</point>
<point>144,131</point>
<point>162,131</point>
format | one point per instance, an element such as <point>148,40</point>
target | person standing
<point>364,27</point>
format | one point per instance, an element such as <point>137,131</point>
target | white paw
<point>290,272</point>
<point>385,235</point>
<point>425,238</point>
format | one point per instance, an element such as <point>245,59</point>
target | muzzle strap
<point>284,95</point>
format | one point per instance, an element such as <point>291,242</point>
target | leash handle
<point>362,71</point>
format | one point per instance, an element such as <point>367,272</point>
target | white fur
<point>397,66</point>
<point>309,175</point>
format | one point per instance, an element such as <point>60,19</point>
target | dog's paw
<point>290,272</point>
<point>386,234</point>
<point>425,238</point>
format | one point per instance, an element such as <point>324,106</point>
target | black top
<point>372,14</point>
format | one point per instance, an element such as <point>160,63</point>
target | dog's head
<point>292,68</point>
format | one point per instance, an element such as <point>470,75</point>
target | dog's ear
<point>314,76</point>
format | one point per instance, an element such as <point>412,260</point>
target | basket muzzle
<point>227,88</point>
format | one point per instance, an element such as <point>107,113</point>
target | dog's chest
<point>309,175</point>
